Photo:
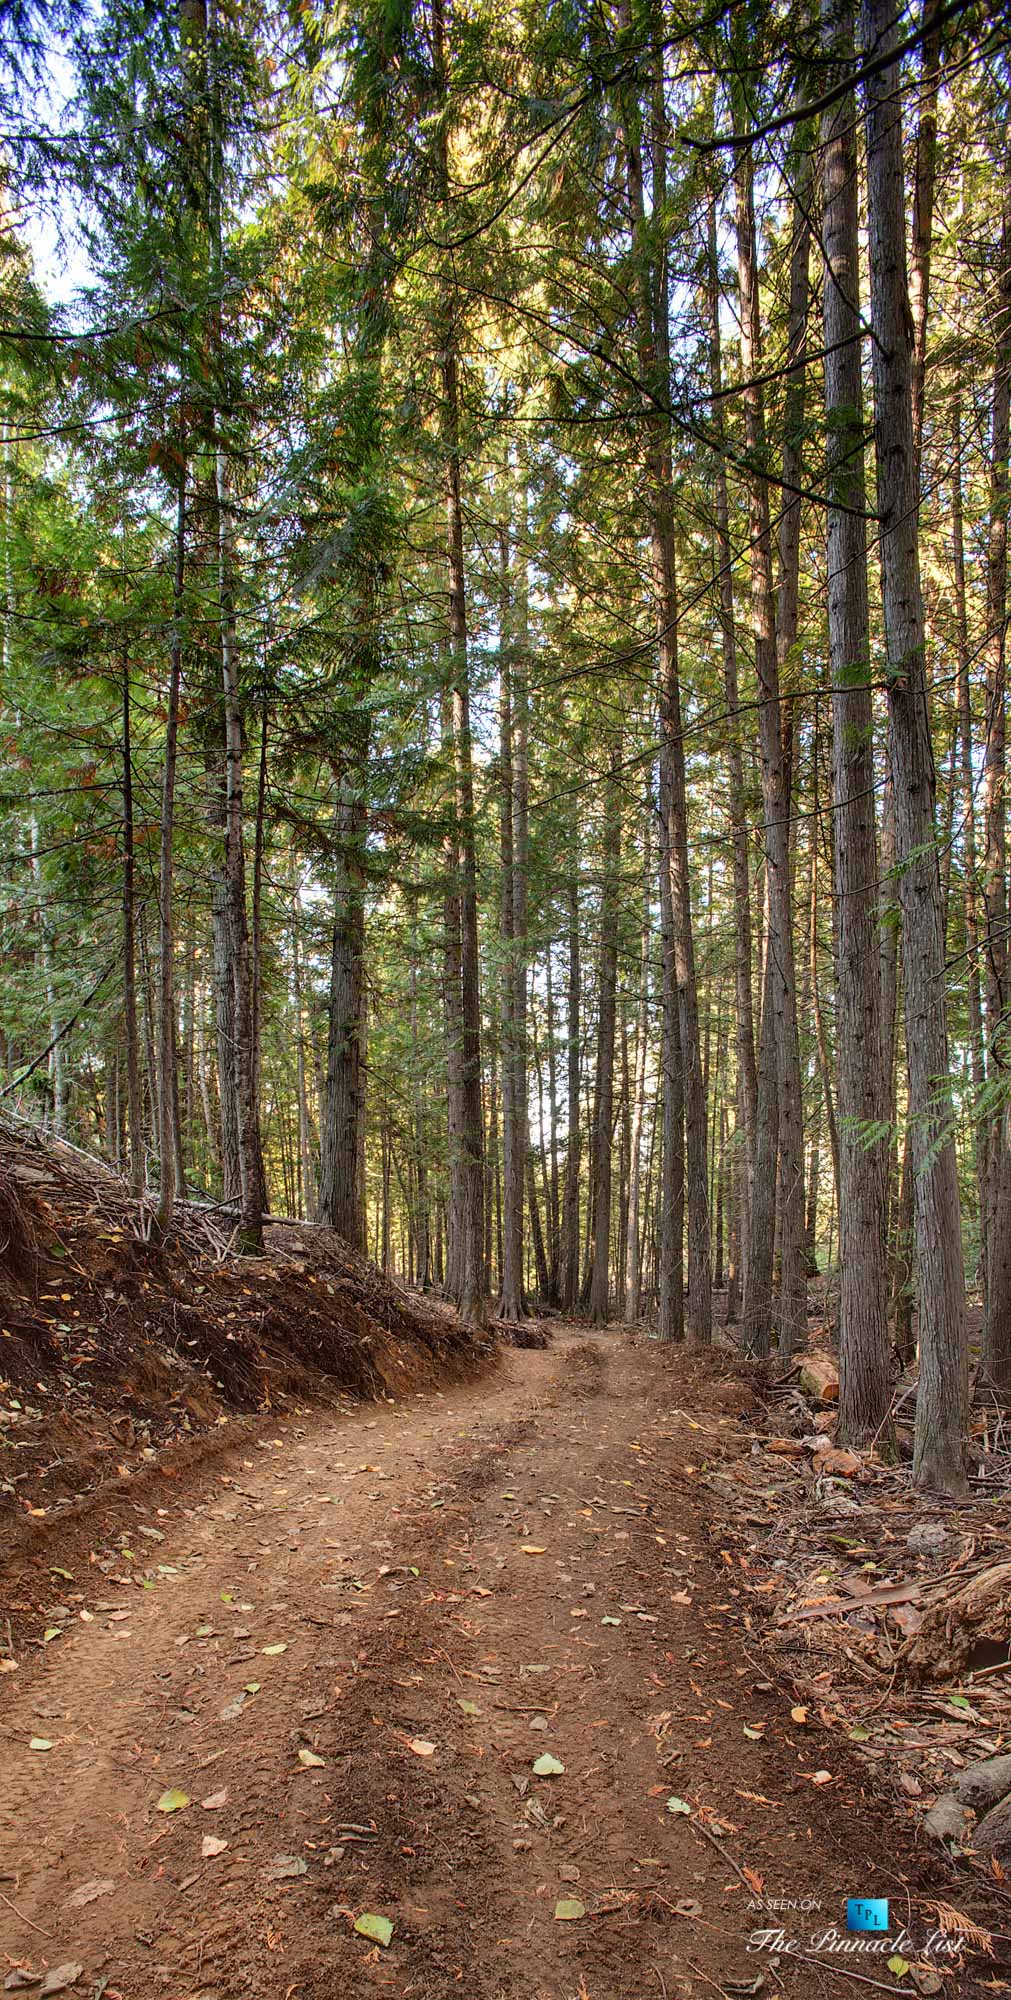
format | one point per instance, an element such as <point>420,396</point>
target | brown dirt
<point>461,1547</point>
<point>118,1352</point>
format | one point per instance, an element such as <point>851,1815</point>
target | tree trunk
<point>340,1202</point>
<point>654,359</point>
<point>466,1216</point>
<point>997,1326</point>
<point>513,843</point>
<point>304,1131</point>
<point>599,1298</point>
<point>570,1209</point>
<point>779,1012</point>
<point>792,1221</point>
<point>165,1103</point>
<point>239,970</point>
<point>134,1115</point>
<point>671,1222</point>
<point>554,1233</point>
<point>973,990</point>
<point>942,1397</point>
<point>864,1384</point>
<point>923,210</point>
<point>743,972</point>
<point>633,1266</point>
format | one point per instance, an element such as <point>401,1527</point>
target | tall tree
<point>864,1379</point>
<point>942,1395</point>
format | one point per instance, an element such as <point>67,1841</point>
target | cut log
<point>819,1376</point>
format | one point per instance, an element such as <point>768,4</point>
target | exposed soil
<point>461,1582</point>
<point>122,1354</point>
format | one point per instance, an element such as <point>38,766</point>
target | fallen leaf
<point>547,1766</point>
<point>676,1805</point>
<point>799,1714</point>
<point>271,1652</point>
<point>310,1762</point>
<point>898,1966</point>
<point>214,1800</point>
<point>40,1743</point>
<point>210,1846</point>
<point>421,1746</point>
<point>569,1909</point>
<point>172,1801</point>
<point>533,1549</point>
<point>379,1929</point>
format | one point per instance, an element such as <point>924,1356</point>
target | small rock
<point>992,1837</point>
<point>89,1892</point>
<point>948,1819</point>
<point>59,1979</point>
<point>925,1979</point>
<point>983,1785</point>
<point>285,1867</point>
<point>928,1538</point>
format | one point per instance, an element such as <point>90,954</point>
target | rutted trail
<point>356,1647</point>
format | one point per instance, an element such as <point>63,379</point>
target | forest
<point>504,578</point>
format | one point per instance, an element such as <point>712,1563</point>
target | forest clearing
<point>505,1151</point>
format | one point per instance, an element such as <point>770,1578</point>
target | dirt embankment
<point>123,1358</point>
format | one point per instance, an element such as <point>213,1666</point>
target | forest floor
<point>360,1634</point>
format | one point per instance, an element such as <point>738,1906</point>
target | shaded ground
<point>359,1635</point>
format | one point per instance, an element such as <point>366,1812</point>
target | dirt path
<point>499,1572</point>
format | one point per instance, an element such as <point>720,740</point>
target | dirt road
<point>357,1642</point>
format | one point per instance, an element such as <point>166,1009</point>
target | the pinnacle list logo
<point>867,1913</point>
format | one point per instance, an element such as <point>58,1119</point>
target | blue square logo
<point>867,1913</point>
